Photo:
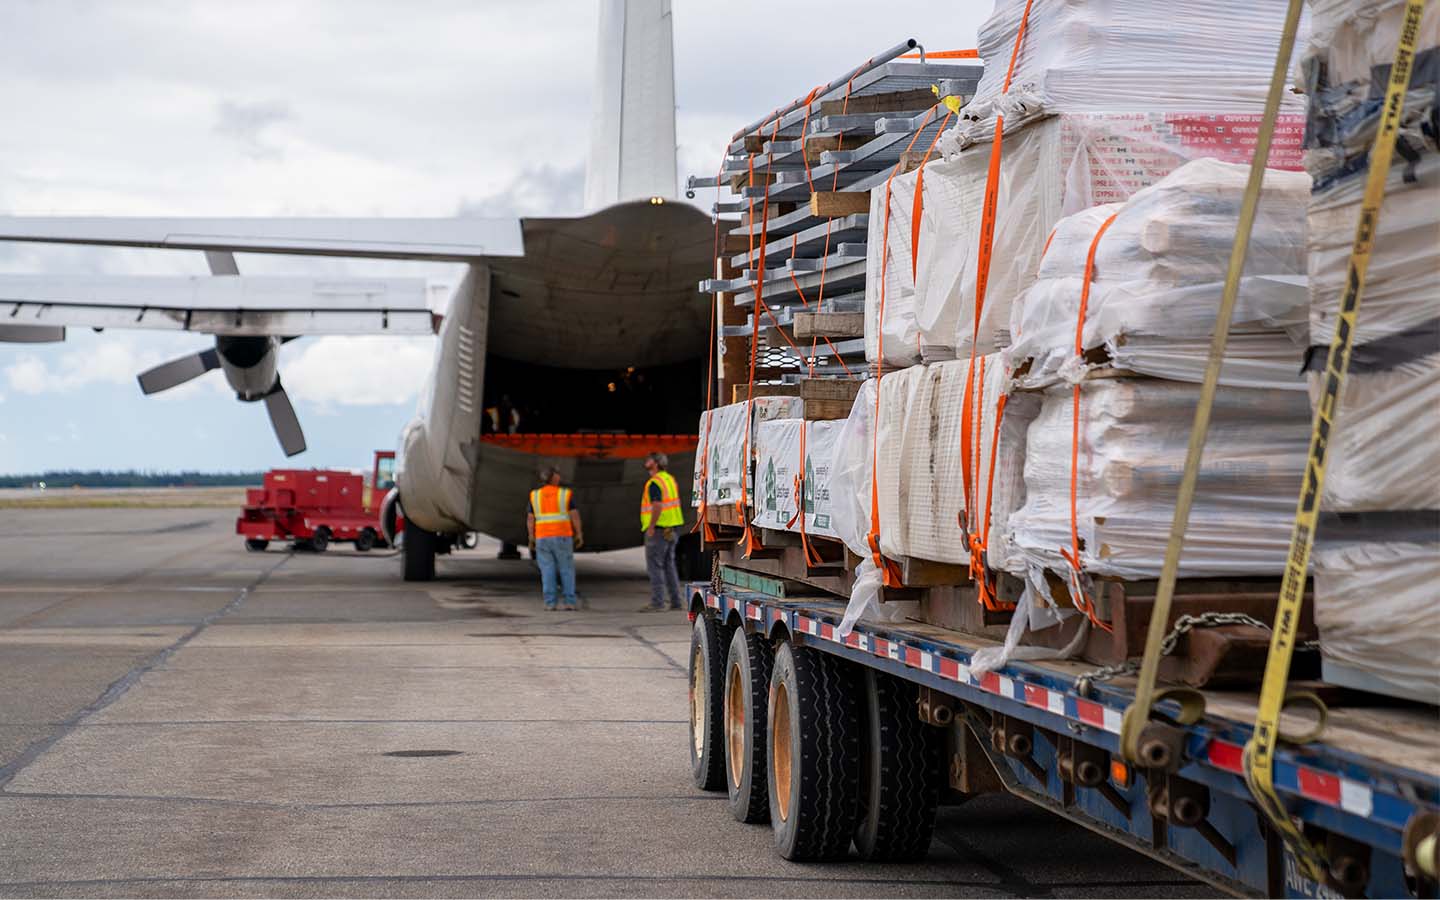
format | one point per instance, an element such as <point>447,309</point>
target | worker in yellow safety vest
<point>660,519</point>
<point>555,534</point>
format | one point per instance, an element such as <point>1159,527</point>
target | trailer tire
<point>813,761</point>
<point>899,773</point>
<point>365,540</point>
<point>417,553</point>
<point>256,545</point>
<point>747,691</point>
<point>320,539</point>
<point>707,677</point>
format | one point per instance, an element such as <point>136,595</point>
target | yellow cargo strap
<point>1192,704</point>
<point>1259,756</point>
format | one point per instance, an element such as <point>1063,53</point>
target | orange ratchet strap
<point>1072,556</point>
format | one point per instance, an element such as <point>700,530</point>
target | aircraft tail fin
<point>632,131</point>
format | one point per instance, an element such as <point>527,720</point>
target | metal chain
<point>1183,626</point>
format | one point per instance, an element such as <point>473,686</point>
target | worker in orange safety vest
<point>555,534</point>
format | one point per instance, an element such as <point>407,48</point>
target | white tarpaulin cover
<point>725,432</point>
<point>918,463</point>
<point>1158,275</point>
<point>1133,436</point>
<point>889,263</point>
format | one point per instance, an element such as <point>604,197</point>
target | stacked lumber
<point>796,232</point>
<point>1377,555</point>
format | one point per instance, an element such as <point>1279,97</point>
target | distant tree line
<point>132,478</point>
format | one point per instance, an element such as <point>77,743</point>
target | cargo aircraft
<point>574,342</point>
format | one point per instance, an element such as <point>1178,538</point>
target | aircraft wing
<point>442,240</point>
<point>39,307</point>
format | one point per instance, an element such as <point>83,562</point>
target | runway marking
<point>124,683</point>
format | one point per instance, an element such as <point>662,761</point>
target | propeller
<point>178,371</point>
<point>284,420</point>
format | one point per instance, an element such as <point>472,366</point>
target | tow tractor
<point>313,508</point>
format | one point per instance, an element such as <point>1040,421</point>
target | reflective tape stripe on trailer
<point>1313,784</point>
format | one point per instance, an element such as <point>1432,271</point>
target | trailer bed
<point>1375,770</point>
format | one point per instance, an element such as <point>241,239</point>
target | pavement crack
<point>124,683</point>
<point>633,631</point>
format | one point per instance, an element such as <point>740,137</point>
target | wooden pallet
<point>1219,656</point>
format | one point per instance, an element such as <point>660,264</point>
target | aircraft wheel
<point>417,553</point>
<point>256,545</point>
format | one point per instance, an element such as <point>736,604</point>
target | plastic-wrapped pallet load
<point>1375,606</point>
<point>1377,554</point>
<point>920,465</point>
<point>777,463</point>
<point>1129,461</point>
<point>726,433</point>
<point>1099,108</point>
<point>889,267</point>
<point>1089,56</point>
<point>1158,274</point>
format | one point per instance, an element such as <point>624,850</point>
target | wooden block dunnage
<point>829,324</point>
<point>829,204</point>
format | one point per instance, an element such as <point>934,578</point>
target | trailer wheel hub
<point>735,724</point>
<point>780,749</point>
<point>698,702</point>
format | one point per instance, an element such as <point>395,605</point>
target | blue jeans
<point>556,556</point>
<point>660,566</point>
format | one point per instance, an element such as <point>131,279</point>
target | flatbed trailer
<point>1367,792</point>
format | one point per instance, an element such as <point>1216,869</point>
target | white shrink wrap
<point>1344,69</point>
<point>850,471</point>
<point>889,275</point>
<point>777,455</point>
<point>1402,292</point>
<point>1158,275</point>
<point>1127,55</point>
<point>902,452</point>
<point>727,432</point>
<point>1378,610</point>
<point>1054,167</point>
<point>1132,441</point>
<point>1384,453</point>
<point>778,450</point>
<point>821,440</point>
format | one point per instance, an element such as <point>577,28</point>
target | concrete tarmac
<point>179,717</point>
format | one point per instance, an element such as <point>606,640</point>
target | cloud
<point>332,372</point>
<point>103,361</point>
<point>247,122</point>
<point>537,191</point>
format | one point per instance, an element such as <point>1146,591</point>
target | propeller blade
<point>178,371</point>
<point>284,421</point>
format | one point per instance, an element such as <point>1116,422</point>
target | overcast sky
<point>322,107</point>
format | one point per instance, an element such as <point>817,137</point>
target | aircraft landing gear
<point>508,551</point>
<point>417,553</point>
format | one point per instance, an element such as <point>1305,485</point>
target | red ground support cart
<point>315,507</point>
